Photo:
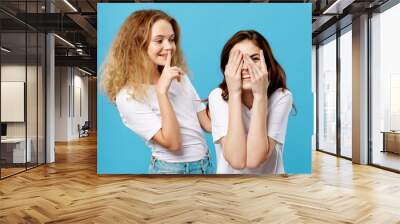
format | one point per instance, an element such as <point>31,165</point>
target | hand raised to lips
<point>168,74</point>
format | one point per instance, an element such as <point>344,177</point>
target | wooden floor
<point>388,159</point>
<point>5,172</point>
<point>70,191</point>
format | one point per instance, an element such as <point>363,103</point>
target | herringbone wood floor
<point>70,191</point>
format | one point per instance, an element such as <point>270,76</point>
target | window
<point>346,92</point>
<point>385,89</point>
<point>327,95</point>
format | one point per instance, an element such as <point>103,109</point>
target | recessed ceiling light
<point>84,71</point>
<point>65,41</point>
<point>5,50</point>
<point>338,6</point>
<point>70,5</point>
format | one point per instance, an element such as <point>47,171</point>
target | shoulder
<point>184,82</point>
<point>281,95</point>
<point>124,97</point>
<point>215,99</point>
<point>185,79</point>
<point>215,94</point>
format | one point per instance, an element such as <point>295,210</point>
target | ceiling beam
<point>81,61</point>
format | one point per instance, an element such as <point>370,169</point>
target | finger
<point>238,71</point>
<point>252,77</point>
<point>229,63</point>
<point>263,63</point>
<point>233,53</point>
<point>232,64</point>
<point>237,61</point>
<point>169,57</point>
<point>181,71</point>
<point>250,66</point>
<point>255,69</point>
<point>249,70</point>
<point>177,69</point>
<point>175,75</point>
<point>181,74</point>
<point>232,58</point>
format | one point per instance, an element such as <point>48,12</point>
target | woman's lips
<point>246,77</point>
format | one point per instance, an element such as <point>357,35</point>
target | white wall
<point>70,84</point>
<point>14,73</point>
<point>17,73</point>
<point>80,89</point>
<point>62,81</point>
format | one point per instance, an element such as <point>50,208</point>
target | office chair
<point>84,130</point>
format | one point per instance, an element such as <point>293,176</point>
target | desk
<point>391,141</point>
<point>16,147</point>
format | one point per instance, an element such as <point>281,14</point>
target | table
<point>391,141</point>
<point>16,147</point>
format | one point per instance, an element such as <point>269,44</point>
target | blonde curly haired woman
<point>146,77</point>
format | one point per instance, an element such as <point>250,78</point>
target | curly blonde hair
<point>128,64</point>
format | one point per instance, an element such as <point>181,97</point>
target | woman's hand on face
<point>168,74</point>
<point>233,72</point>
<point>258,74</point>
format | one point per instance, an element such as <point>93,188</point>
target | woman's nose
<point>245,67</point>
<point>167,45</point>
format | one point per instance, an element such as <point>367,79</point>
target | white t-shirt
<point>144,119</point>
<point>279,106</point>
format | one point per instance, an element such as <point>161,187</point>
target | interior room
<point>48,152</point>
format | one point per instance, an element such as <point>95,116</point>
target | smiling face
<point>162,40</point>
<point>249,48</point>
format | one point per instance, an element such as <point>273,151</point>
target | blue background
<point>205,28</point>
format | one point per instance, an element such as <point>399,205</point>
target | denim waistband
<point>201,166</point>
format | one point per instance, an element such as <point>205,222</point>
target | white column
<point>50,109</point>
<point>50,92</point>
<point>360,90</point>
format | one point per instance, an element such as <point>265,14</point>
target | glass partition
<point>22,64</point>
<point>13,105</point>
<point>327,95</point>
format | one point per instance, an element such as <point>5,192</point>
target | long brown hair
<point>276,74</point>
<point>128,63</point>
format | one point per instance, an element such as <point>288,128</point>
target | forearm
<point>205,121</point>
<point>257,139</point>
<point>234,146</point>
<point>169,124</point>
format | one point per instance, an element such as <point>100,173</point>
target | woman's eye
<point>158,41</point>
<point>172,40</point>
<point>255,59</point>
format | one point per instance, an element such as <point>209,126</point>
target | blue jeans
<point>196,167</point>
